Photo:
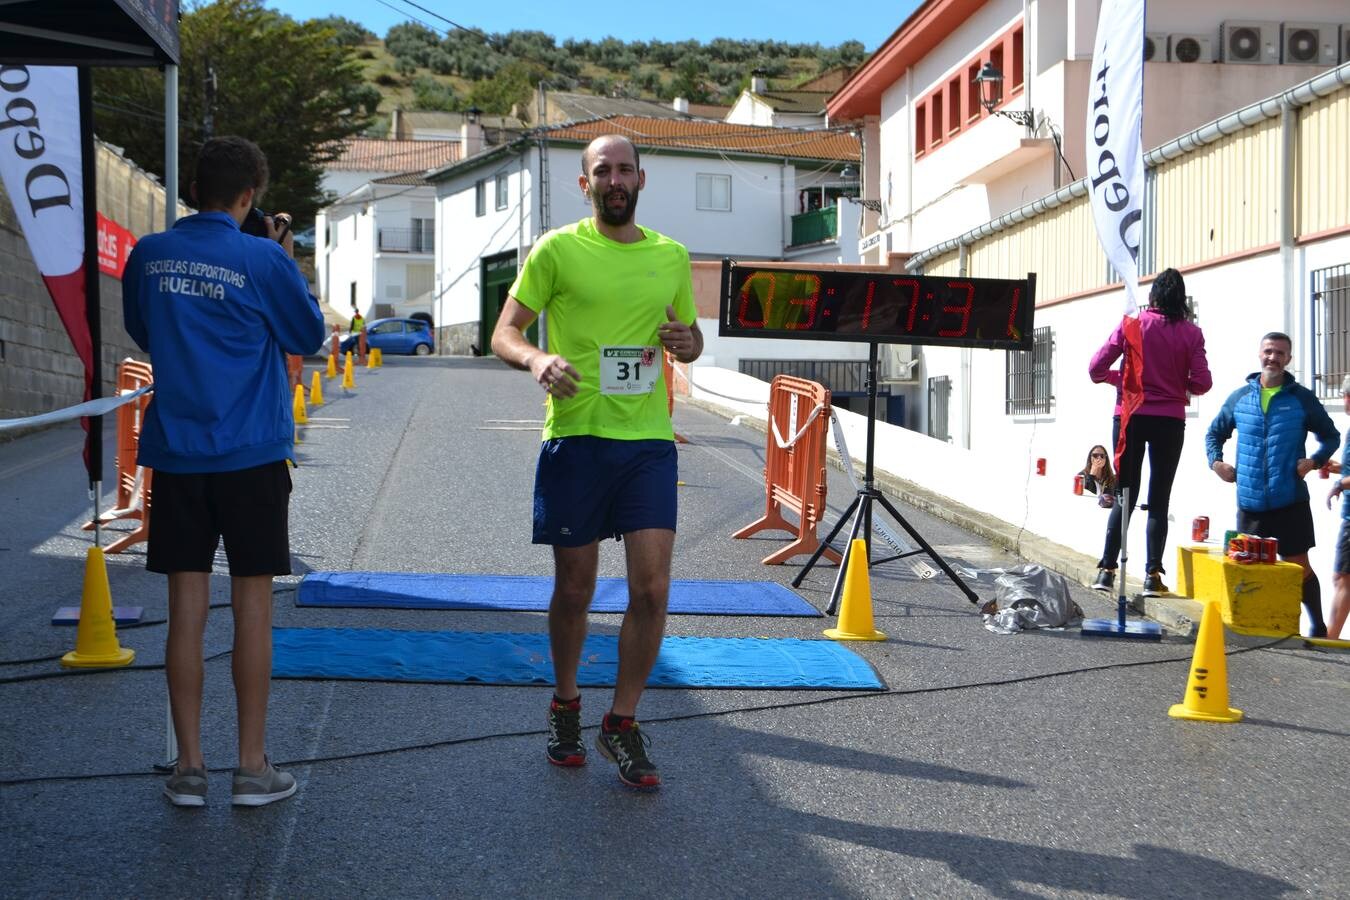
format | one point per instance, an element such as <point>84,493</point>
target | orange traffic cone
<point>96,644</point>
<point>316,390</point>
<point>1207,688</point>
<point>855,611</point>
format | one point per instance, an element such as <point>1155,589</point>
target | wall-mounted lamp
<point>990,84</point>
<point>472,114</point>
<point>850,173</point>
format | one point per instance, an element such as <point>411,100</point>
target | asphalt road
<point>1034,765</point>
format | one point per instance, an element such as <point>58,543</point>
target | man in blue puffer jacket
<point>1273,415</point>
<point>217,310</point>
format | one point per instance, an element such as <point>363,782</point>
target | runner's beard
<point>615,215</point>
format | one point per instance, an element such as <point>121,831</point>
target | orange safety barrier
<point>361,343</point>
<point>670,392</point>
<point>133,481</point>
<point>295,369</point>
<point>336,344</point>
<point>794,476</point>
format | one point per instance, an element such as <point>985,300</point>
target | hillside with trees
<point>299,87</point>
<point>417,68</point>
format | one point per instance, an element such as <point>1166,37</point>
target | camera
<point>256,225</point>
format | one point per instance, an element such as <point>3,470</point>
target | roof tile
<point>379,155</point>
<point>650,132</point>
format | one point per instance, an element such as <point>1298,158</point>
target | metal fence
<point>844,378</point>
<point>407,240</point>
<point>1028,386</point>
<point>1330,329</point>
<point>817,225</point>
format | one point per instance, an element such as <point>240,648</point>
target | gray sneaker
<point>261,788</point>
<point>186,788</point>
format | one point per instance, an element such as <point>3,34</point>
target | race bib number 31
<point>629,370</point>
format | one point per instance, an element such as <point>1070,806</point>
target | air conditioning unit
<point>900,364</point>
<point>1155,47</point>
<point>1250,43</point>
<point>1190,48</point>
<point>1306,44</point>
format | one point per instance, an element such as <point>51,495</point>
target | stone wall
<point>39,371</point>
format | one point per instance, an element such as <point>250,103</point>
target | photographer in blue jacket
<point>217,309</point>
<point>1273,415</point>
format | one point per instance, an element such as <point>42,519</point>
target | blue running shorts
<point>589,488</point>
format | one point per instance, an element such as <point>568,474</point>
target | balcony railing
<point>815,226</point>
<point>407,240</point>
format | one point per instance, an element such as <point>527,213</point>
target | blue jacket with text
<point>217,310</point>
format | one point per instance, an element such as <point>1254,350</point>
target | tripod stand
<point>861,511</point>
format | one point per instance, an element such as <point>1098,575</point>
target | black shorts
<point>248,508</point>
<point>1343,549</point>
<point>1291,525</point>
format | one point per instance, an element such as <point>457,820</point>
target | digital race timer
<point>882,307</point>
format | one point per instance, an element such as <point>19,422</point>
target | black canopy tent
<point>89,33</point>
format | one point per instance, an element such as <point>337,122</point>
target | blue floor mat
<point>463,657</point>
<point>408,590</point>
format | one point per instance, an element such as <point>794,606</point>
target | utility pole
<point>209,117</point>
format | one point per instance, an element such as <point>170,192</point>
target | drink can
<point>1270,549</point>
<point>1228,538</point>
<point>1200,528</point>
<point>1078,484</point>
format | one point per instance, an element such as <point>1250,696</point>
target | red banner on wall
<point>114,246</point>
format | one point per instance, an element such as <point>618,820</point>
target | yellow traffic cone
<point>855,611</point>
<point>316,390</point>
<point>1207,688</point>
<point>378,355</point>
<point>347,381</point>
<point>332,366</point>
<point>96,644</point>
<point>370,359</point>
<point>298,407</point>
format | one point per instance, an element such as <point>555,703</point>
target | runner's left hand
<point>675,336</point>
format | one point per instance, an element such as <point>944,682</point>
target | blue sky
<point>792,21</point>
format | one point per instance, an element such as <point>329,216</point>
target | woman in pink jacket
<point>1174,367</point>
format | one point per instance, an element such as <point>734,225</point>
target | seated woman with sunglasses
<point>1097,473</point>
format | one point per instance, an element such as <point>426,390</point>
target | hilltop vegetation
<point>415,68</point>
<point>299,88</point>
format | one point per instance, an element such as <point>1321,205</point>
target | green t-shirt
<point>604,298</point>
<point>1266,394</point>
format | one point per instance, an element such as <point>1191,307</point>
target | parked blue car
<point>395,336</point>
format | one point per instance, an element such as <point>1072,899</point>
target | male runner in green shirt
<point>617,295</point>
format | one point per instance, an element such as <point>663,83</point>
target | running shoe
<point>261,788</point>
<point>628,747</point>
<point>186,788</point>
<point>564,734</point>
<point>1105,581</point>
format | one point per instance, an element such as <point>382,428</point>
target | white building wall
<point>464,238</point>
<point>351,258</point>
<point>928,198</point>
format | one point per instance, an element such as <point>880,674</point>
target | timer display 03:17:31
<point>864,306</point>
